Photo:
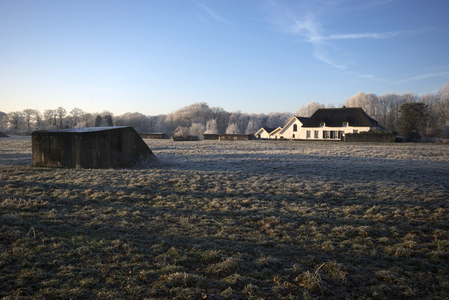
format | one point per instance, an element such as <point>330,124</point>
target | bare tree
<point>431,126</point>
<point>232,129</point>
<point>252,127</point>
<point>14,119</point>
<point>160,124</point>
<point>3,120</point>
<point>38,118</point>
<point>222,118</point>
<point>136,120</point>
<point>211,127</point>
<point>50,117</point>
<point>443,105</point>
<point>308,110</point>
<point>61,113</point>
<point>368,102</point>
<point>28,115</point>
<point>85,119</point>
<point>76,113</point>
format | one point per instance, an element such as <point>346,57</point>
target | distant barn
<point>185,138</point>
<point>211,136</point>
<point>236,137</point>
<point>90,147</point>
<point>154,135</point>
<point>228,137</point>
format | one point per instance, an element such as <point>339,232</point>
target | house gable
<point>264,132</point>
<point>299,121</point>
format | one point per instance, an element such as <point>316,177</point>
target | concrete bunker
<point>89,147</point>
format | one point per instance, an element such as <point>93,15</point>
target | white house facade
<point>292,130</point>
<point>275,133</point>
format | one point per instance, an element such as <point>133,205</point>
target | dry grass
<point>230,220</point>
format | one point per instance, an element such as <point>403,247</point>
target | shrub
<point>372,135</point>
<point>413,136</point>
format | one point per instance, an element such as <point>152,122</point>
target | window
<point>333,134</point>
<point>340,134</point>
<point>293,136</point>
<point>316,134</point>
<point>325,134</point>
<point>308,134</point>
<point>345,124</point>
<point>355,131</point>
<point>295,127</point>
<point>322,124</point>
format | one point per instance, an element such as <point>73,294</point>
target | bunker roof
<point>87,129</point>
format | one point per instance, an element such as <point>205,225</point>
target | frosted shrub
<point>211,127</point>
<point>232,129</point>
<point>196,129</point>
<point>181,131</point>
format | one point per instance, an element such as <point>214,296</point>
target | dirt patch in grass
<point>230,220</point>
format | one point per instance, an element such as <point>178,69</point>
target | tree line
<point>199,118</point>
<point>195,119</point>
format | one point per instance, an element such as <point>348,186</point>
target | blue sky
<point>262,56</point>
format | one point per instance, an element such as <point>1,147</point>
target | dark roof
<point>153,133</point>
<point>302,119</point>
<point>334,117</point>
<point>269,129</point>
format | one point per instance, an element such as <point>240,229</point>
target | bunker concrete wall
<point>114,147</point>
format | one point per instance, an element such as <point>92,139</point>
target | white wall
<point>348,129</point>
<point>287,132</point>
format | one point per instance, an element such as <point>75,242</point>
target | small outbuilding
<point>89,147</point>
<point>154,135</point>
<point>185,138</point>
<point>211,136</point>
<point>236,137</point>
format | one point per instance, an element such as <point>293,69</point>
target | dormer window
<point>345,124</point>
<point>322,124</point>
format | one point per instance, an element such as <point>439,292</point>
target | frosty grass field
<point>230,220</point>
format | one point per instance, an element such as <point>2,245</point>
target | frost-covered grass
<point>230,220</point>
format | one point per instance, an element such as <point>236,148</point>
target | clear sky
<point>257,56</point>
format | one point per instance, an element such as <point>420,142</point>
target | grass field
<point>230,220</point>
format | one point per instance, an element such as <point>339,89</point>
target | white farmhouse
<point>324,124</point>
<point>333,123</point>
